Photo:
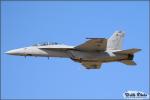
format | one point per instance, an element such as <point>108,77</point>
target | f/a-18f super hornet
<point>90,54</point>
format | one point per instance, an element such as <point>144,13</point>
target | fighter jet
<point>90,54</point>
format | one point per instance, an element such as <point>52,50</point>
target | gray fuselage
<point>77,55</point>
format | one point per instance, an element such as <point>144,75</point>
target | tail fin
<point>130,53</point>
<point>115,41</point>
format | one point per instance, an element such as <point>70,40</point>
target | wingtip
<point>95,38</point>
<point>137,49</point>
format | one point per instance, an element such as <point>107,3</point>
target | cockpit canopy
<point>45,43</point>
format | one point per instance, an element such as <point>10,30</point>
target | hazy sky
<point>27,23</point>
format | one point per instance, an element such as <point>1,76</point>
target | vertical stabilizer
<point>115,41</point>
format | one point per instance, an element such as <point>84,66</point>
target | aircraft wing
<point>91,65</point>
<point>94,44</point>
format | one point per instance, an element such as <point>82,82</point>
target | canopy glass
<point>45,43</point>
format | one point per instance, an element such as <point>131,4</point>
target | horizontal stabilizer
<point>129,51</point>
<point>128,62</point>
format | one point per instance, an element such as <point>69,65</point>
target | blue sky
<point>26,23</point>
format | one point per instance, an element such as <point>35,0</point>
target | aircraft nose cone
<point>15,52</point>
<point>11,52</point>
